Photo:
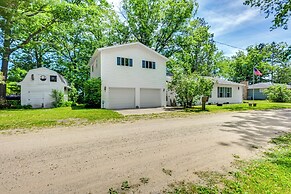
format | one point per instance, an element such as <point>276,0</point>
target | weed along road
<point>143,156</point>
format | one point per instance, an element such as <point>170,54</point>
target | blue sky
<point>236,24</point>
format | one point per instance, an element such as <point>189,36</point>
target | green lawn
<point>260,105</point>
<point>270,174</point>
<point>30,118</point>
<point>65,116</point>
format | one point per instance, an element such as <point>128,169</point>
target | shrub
<point>14,104</point>
<point>27,106</point>
<point>4,104</point>
<point>190,87</point>
<point>92,90</point>
<point>73,94</point>
<point>74,104</point>
<point>58,97</point>
<point>67,104</point>
<point>278,93</point>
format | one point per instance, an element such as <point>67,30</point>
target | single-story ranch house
<point>226,92</point>
<point>223,92</point>
<point>37,86</point>
<point>258,90</point>
<point>132,76</point>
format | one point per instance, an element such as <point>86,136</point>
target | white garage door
<point>120,98</point>
<point>39,99</point>
<point>150,98</point>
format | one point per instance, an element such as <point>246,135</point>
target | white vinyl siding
<point>120,98</point>
<point>37,86</point>
<point>118,76</point>
<point>150,98</point>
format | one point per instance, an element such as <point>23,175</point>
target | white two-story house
<point>132,76</point>
<point>37,86</point>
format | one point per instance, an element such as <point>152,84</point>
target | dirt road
<point>93,159</point>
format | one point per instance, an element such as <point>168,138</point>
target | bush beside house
<point>278,93</point>
<point>58,97</point>
<point>92,89</point>
<point>189,88</point>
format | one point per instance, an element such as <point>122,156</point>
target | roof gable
<point>46,70</point>
<point>138,44</point>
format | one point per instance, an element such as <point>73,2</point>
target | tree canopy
<point>155,22</point>
<point>272,59</point>
<point>280,9</point>
<point>60,35</point>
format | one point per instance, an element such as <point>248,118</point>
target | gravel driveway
<point>94,158</point>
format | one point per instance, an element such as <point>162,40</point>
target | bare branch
<point>32,35</point>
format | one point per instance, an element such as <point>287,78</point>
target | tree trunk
<point>204,100</point>
<point>4,69</point>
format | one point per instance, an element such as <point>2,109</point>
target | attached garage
<point>120,98</point>
<point>150,98</point>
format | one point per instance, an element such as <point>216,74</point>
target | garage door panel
<point>120,98</point>
<point>150,98</point>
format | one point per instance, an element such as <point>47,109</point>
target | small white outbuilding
<point>37,86</point>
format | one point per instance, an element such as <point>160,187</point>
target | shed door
<point>150,98</point>
<point>120,98</point>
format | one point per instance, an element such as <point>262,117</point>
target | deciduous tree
<point>280,9</point>
<point>194,46</point>
<point>154,22</point>
<point>23,20</point>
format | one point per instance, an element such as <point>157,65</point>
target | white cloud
<point>222,23</point>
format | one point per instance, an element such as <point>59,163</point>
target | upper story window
<point>148,64</point>
<point>92,68</point>
<point>224,92</point>
<point>42,78</point>
<point>124,61</point>
<point>53,78</point>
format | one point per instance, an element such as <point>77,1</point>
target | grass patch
<point>270,174</point>
<point>65,116</point>
<point>261,105</point>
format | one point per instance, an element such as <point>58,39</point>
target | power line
<point>225,44</point>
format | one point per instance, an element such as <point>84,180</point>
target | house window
<point>124,61</point>
<point>92,68</point>
<point>53,78</point>
<point>32,76</point>
<point>148,64</point>
<point>42,77</point>
<point>224,92</point>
